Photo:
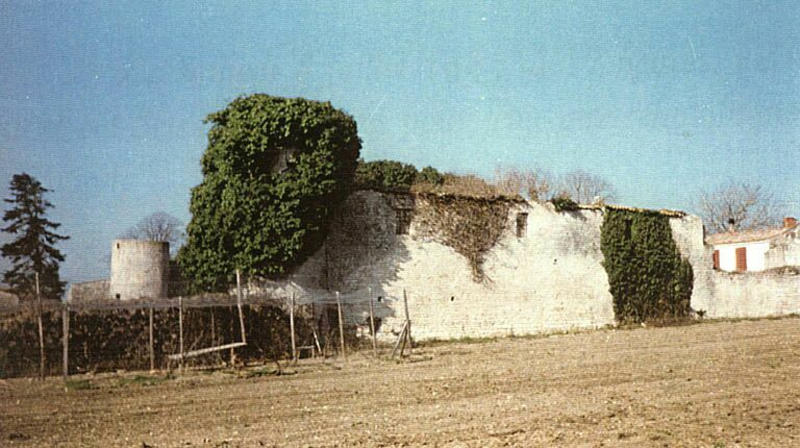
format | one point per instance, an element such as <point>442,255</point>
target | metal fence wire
<point>157,333</point>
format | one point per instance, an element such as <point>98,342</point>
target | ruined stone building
<point>541,270</point>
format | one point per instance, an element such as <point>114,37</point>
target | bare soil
<point>716,384</point>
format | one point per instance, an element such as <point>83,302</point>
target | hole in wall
<point>117,296</point>
<point>380,298</point>
<point>452,298</point>
<point>522,224</point>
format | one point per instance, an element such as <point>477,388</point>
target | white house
<point>757,250</point>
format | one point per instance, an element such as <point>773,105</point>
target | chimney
<point>731,225</point>
<point>789,222</point>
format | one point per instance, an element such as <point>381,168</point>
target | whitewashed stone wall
<point>550,279</point>
<point>756,294</point>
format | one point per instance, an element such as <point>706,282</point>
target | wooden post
<point>291,328</point>
<point>233,337</point>
<point>408,319</point>
<point>404,338</point>
<point>65,339</point>
<point>41,331</point>
<point>150,344</point>
<point>341,323</point>
<point>314,329</point>
<point>372,324</point>
<point>401,337</point>
<point>239,304</point>
<point>180,328</point>
<point>213,328</point>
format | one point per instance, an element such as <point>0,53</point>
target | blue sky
<point>104,102</point>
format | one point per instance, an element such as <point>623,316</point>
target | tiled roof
<point>747,236</point>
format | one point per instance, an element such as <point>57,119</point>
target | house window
<point>522,224</point>
<point>716,259</point>
<point>403,221</point>
<point>741,259</point>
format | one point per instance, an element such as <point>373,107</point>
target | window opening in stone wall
<point>403,221</point>
<point>522,224</point>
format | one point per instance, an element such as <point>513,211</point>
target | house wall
<point>755,255</point>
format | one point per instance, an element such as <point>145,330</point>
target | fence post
<point>213,330</point>
<point>341,324</point>
<point>41,332</point>
<point>180,329</point>
<point>239,304</point>
<point>408,319</point>
<point>372,324</point>
<point>150,322</point>
<point>65,340</point>
<point>291,327</point>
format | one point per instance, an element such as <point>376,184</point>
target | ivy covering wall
<point>470,225</point>
<point>649,280</point>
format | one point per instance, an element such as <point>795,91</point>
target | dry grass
<point>715,384</point>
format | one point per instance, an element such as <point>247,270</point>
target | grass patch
<point>267,372</point>
<point>461,340</point>
<point>143,380</point>
<point>79,385</point>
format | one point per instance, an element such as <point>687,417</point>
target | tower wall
<point>139,269</point>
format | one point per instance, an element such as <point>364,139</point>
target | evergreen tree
<point>33,250</point>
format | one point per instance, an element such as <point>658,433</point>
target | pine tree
<point>32,251</point>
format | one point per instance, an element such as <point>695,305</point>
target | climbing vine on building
<point>273,172</point>
<point>469,225</point>
<point>649,280</point>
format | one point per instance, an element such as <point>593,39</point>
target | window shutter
<point>741,259</point>
<point>716,259</point>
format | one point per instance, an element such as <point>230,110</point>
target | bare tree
<point>586,188</point>
<point>535,183</point>
<point>159,226</point>
<point>467,185</point>
<point>737,206</point>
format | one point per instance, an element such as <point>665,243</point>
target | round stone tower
<point>139,269</point>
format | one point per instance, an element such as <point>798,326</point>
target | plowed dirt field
<point>716,384</point>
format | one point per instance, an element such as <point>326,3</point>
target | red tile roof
<point>747,236</point>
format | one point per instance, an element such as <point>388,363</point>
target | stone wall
<point>752,294</point>
<point>549,279</point>
<point>784,251</point>
<point>7,299</point>
<point>92,291</point>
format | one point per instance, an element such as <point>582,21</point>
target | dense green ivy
<point>564,204</point>
<point>391,175</point>
<point>648,277</point>
<point>385,175</point>
<point>274,170</point>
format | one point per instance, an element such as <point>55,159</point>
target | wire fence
<point>268,322</point>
